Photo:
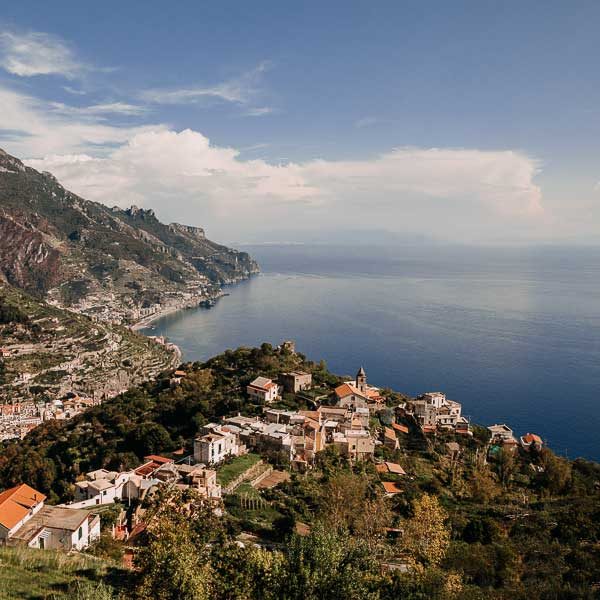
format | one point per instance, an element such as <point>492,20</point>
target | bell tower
<point>361,380</point>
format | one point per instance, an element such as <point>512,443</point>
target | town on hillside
<point>355,420</point>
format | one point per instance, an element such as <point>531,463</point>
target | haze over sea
<point>512,333</point>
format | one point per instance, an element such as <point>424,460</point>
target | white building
<point>262,389</point>
<point>217,443</point>
<point>24,519</point>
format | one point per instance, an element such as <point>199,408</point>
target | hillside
<point>118,265</point>
<point>48,352</point>
<point>520,525</point>
<point>29,574</point>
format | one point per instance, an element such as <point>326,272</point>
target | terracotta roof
<point>395,468</point>
<point>398,427</point>
<point>341,391</point>
<point>390,433</point>
<point>389,467</point>
<point>262,383</point>
<point>390,487</point>
<point>159,459</point>
<point>532,438</point>
<point>16,503</point>
<point>179,373</point>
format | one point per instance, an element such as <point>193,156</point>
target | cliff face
<point>103,261</point>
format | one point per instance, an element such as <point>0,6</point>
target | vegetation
<point>235,467</point>
<point>472,524</point>
<point>33,574</point>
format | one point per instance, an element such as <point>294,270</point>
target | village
<point>238,452</point>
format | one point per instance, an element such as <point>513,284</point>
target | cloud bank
<point>437,191</point>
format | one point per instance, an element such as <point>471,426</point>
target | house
<point>531,441</point>
<point>400,428</point>
<point>355,445</point>
<point>390,488</point>
<point>25,520</point>
<point>389,439</point>
<point>390,468</point>
<point>501,433</point>
<point>295,381</point>
<point>16,506</point>
<point>217,443</point>
<point>433,409</point>
<point>262,390</point>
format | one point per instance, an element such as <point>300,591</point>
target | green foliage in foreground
<point>29,574</point>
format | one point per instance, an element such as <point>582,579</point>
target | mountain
<point>117,265</point>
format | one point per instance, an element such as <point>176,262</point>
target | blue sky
<point>468,121</point>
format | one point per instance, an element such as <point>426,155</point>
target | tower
<point>361,380</point>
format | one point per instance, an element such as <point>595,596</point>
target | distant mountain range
<point>113,263</point>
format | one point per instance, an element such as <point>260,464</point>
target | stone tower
<point>361,380</point>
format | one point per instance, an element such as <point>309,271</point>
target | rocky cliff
<point>109,263</point>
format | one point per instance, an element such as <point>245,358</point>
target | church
<point>357,393</point>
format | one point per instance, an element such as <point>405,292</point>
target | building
<point>262,390</point>
<point>295,381</point>
<point>531,441</point>
<point>357,393</point>
<point>355,445</point>
<point>433,410</point>
<point>25,520</point>
<point>501,433</point>
<point>217,443</point>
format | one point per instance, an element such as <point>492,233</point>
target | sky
<point>471,122</point>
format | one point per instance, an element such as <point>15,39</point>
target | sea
<point>511,333</point>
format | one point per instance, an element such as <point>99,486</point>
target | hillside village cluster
<point>298,435</point>
<point>19,418</point>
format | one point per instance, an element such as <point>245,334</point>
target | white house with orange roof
<point>24,519</point>
<point>263,389</point>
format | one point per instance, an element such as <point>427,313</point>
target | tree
<point>506,466</point>
<point>557,471</point>
<point>483,486</point>
<point>426,536</point>
<point>171,566</point>
<point>327,565</point>
<point>342,500</point>
<point>175,563</point>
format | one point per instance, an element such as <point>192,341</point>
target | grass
<point>231,470</point>
<point>28,574</point>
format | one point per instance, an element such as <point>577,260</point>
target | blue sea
<point>511,333</point>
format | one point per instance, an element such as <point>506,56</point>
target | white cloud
<point>451,193</point>
<point>74,91</point>
<point>239,90</point>
<point>36,128</point>
<point>115,108</point>
<point>259,111</point>
<point>35,53</point>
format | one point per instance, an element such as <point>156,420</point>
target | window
<point>80,533</point>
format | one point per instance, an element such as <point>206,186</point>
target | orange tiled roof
<point>532,438</point>
<point>399,427</point>
<point>395,468</point>
<point>390,487</point>
<point>381,468</point>
<point>341,391</point>
<point>16,503</point>
<point>158,459</point>
<point>389,433</point>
